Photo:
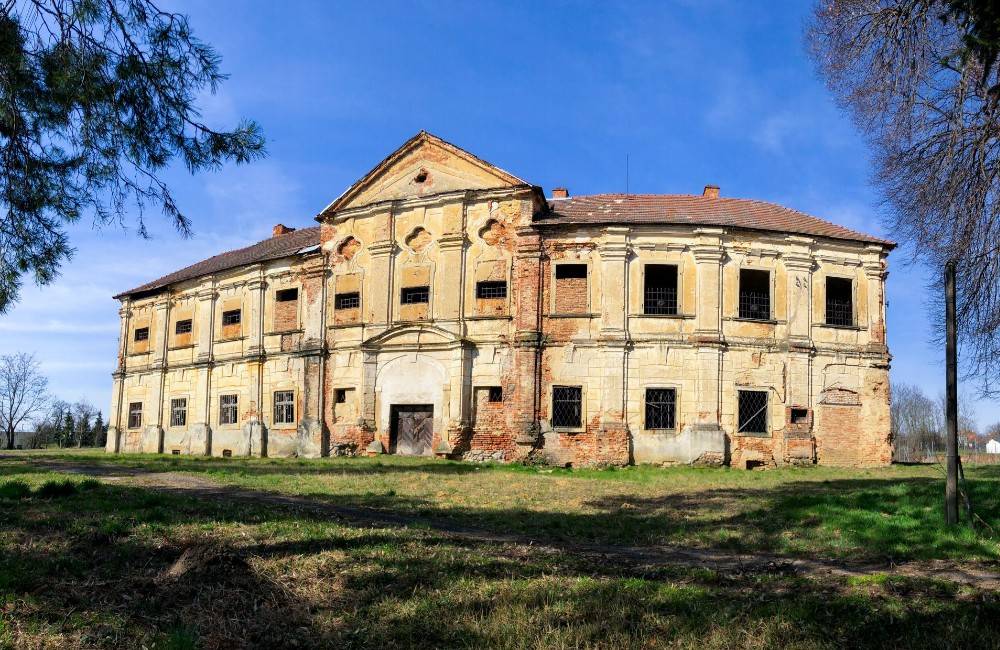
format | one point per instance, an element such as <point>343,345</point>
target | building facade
<point>445,307</point>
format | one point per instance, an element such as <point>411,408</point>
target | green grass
<point>119,566</point>
<point>886,514</point>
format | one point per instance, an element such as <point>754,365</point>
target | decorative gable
<point>423,166</point>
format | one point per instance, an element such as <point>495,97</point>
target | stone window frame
<point>677,406</point>
<point>767,414</point>
<point>399,286</point>
<point>298,307</point>
<point>639,301</point>
<point>187,405</point>
<point>219,411</point>
<point>145,334</point>
<point>855,290</point>
<point>134,412</point>
<point>772,276</point>
<point>274,411</point>
<point>552,294</point>
<point>550,391</point>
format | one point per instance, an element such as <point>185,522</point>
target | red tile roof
<point>694,210</point>
<point>270,249</point>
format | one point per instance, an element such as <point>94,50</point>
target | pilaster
<point>206,320</point>
<point>256,292</point>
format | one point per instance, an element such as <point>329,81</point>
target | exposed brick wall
<point>286,315</point>
<point>571,295</point>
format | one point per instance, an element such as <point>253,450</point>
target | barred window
<point>142,334</point>
<point>178,412</point>
<point>491,289</point>
<point>284,407</point>
<point>755,294</point>
<point>134,415</point>
<point>752,411</point>
<point>567,406</point>
<point>231,317</point>
<point>228,407</point>
<point>660,291</point>
<point>183,326</point>
<point>661,408</point>
<point>839,301</point>
<point>414,295</point>
<point>347,300</point>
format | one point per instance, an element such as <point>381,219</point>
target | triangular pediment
<point>423,166</point>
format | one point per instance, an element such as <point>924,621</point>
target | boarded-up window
<point>571,289</point>
<point>284,407</point>
<point>755,294</point>
<point>660,290</point>
<point>178,412</point>
<point>134,415</point>
<point>567,406</point>
<point>286,310</point>
<point>839,301</point>
<point>228,409</point>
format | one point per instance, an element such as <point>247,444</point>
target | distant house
<point>993,447</point>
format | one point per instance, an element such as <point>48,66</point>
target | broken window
<point>284,407</point>
<point>660,292</point>
<point>571,289</point>
<point>183,326</point>
<point>286,295</point>
<point>752,411</point>
<point>755,294</point>
<point>134,415</point>
<point>490,289</point>
<point>567,404</point>
<point>415,295</point>
<point>228,407</point>
<point>495,394</point>
<point>347,300</point>
<point>661,408</point>
<point>178,412</point>
<point>340,396</point>
<point>800,416</point>
<point>839,301</point>
<point>231,317</point>
<point>142,334</point>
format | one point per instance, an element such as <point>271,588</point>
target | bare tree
<point>917,423</point>
<point>929,105</point>
<point>22,392</point>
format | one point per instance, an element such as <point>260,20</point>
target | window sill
<point>180,347</point>
<point>752,434</point>
<point>568,429</point>
<point>662,432</point>
<point>138,354</point>
<point>230,339</point>
<point>763,321</point>
<point>853,328</point>
<point>337,326</point>
<point>489,317</point>
<point>292,331</point>
<point>580,315</point>
<point>667,316</point>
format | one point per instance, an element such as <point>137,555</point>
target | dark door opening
<point>412,429</point>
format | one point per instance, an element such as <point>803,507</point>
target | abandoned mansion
<point>443,306</point>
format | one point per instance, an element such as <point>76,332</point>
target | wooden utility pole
<point>951,397</point>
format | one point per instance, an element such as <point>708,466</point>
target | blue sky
<point>692,91</point>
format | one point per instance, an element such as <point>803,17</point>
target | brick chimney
<point>711,191</point>
<point>281,229</point>
<point>560,193</point>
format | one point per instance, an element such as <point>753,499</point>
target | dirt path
<point>970,574</point>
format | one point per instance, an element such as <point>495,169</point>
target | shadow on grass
<point>120,567</point>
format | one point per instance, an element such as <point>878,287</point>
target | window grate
<point>415,295</point>
<point>839,302</point>
<point>142,334</point>
<point>755,294</point>
<point>752,411</point>
<point>566,406</point>
<point>284,407</point>
<point>228,407</point>
<point>491,289</point>
<point>134,415</point>
<point>183,327</point>
<point>231,317</point>
<point>347,301</point>
<point>660,290</point>
<point>661,408</point>
<point>178,412</point>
